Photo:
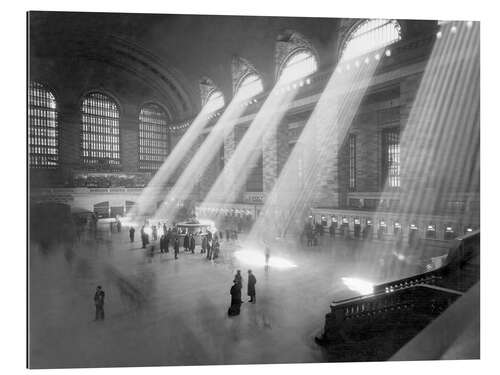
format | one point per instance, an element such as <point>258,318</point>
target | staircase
<point>375,326</point>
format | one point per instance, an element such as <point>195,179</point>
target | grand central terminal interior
<point>212,190</point>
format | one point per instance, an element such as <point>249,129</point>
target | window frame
<point>39,144</point>
<point>96,141</point>
<point>151,143</point>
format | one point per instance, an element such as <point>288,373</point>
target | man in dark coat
<point>99,303</point>
<point>238,279</point>
<point>192,243</point>
<point>162,243</point>
<point>204,244</point>
<point>166,243</point>
<point>176,247</point>
<point>186,242</point>
<point>235,299</point>
<point>131,233</point>
<point>144,238</point>
<point>251,286</point>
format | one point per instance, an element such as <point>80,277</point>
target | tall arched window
<point>298,65</point>
<point>43,127</point>
<point>249,86</point>
<point>369,36</point>
<point>215,101</point>
<point>100,132</point>
<point>153,137</point>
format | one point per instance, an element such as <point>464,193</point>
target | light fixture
<point>439,34</point>
<point>388,52</point>
<point>357,63</point>
<point>453,29</point>
<point>377,56</point>
<point>469,24</point>
<point>308,81</point>
<point>367,60</point>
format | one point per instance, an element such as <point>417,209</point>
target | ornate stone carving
<point>288,43</point>
<point>240,68</point>
<point>207,86</point>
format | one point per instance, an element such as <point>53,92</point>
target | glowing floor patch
<point>358,285</point>
<point>257,259</point>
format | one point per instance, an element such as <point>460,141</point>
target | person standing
<point>155,233</point>
<point>251,286</point>
<point>186,242</point>
<point>235,292</point>
<point>131,233</point>
<point>238,279</point>
<point>176,247</point>
<point>143,237</point>
<point>268,255</point>
<point>192,243</point>
<point>162,243</point>
<point>99,303</point>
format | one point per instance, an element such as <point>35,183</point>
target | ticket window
<point>413,235</point>
<point>382,229</point>
<point>430,232</point>
<point>345,226</point>
<point>333,226</point>
<point>397,228</point>
<point>357,228</point>
<point>449,232</point>
<point>367,231</point>
<point>324,222</point>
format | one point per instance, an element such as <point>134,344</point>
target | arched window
<point>298,65</point>
<point>100,132</point>
<point>43,127</point>
<point>215,101</point>
<point>370,35</point>
<point>153,137</point>
<point>250,86</point>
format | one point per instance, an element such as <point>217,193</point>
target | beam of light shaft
<point>238,168</point>
<point>201,160</point>
<point>424,159</point>
<point>155,190</point>
<point>440,141</point>
<point>321,136</point>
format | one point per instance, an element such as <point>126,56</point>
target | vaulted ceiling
<point>172,52</point>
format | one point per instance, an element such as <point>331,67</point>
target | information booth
<point>194,227</point>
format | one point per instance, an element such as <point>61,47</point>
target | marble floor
<point>161,311</point>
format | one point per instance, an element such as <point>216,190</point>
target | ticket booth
<point>368,229</point>
<point>382,229</point>
<point>357,228</point>
<point>345,227</point>
<point>467,229</point>
<point>449,232</point>
<point>333,226</point>
<point>324,222</point>
<point>413,235</point>
<point>430,232</point>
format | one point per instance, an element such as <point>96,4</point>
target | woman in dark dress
<point>235,299</point>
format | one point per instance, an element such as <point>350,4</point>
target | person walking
<point>176,247</point>
<point>131,234</point>
<point>251,286</point>
<point>99,303</point>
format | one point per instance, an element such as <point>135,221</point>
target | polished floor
<point>161,311</point>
